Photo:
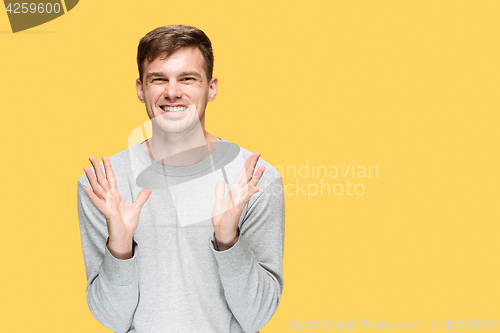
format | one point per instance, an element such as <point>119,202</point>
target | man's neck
<point>180,150</point>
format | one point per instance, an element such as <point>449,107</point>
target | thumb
<point>142,198</point>
<point>219,189</point>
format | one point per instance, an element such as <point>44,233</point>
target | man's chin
<point>177,126</point>
<point>178,132</point>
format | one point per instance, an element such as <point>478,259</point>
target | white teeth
<point>174,109</point>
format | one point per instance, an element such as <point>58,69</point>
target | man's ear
<point>140,92</point>
<point>212,88</point>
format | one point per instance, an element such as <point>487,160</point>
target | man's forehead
<point>191,61</point>
<point>191,52</point>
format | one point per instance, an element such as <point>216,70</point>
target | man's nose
<point>173,90</point>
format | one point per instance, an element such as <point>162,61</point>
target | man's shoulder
<point>120,163</point>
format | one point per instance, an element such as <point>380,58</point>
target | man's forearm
<point>112,283</point>
<point>252,292</point>
<point>113,295</point>
<point>251,270</point>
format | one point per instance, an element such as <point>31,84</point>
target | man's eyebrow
<point>154,74</point>
<point>191,73</point>
<point>159,74</point>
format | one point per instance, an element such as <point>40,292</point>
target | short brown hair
<point>170,38</point>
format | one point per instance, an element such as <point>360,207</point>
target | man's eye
<point>188,78</point>
<point>159,80</point>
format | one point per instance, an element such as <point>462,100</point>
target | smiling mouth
<point>173,109</point>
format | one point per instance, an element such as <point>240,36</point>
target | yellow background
<point>411,87</point>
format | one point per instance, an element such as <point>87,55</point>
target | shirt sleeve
<point>112,284</point>
<point>251,270</point>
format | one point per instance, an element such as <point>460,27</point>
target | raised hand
<point>121,218</point>
<point>228,209</point>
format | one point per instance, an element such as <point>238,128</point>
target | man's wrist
<point>121,251</point>
<point>223,245</point>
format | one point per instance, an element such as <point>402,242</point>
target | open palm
<point>121,218</point>
<point>228,209</point>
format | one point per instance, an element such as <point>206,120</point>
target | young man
<point>181,258</point>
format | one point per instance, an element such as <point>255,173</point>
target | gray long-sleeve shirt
<point>176,280</point>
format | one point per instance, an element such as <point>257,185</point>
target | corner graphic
<point>26,15</point>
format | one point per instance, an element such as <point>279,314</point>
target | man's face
<point>176,91</point>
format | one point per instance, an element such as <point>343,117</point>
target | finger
<point>258,175</point>
<point>242,172</point>
<point>232,197</point>
<point>93,182</point>
<point>110,175</point>
<point>251,191</point>
<point>98,172</point>
<point>251,169</point>
<point>239,195</point>
<point>247,171</point>
<point>222,203</point>
<point>142,197</point>
<point>244,193</point>
<point>94,198</point>
<point>220,188</point>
